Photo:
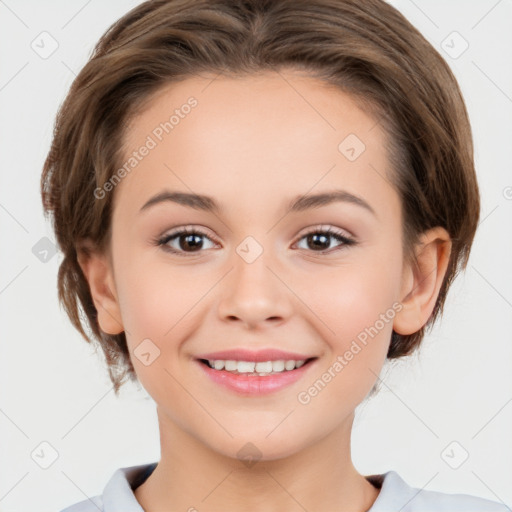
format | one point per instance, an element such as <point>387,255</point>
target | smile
<point>254,368</point>
<point>255,377</point>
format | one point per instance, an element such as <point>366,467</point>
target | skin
<point>253,144</point>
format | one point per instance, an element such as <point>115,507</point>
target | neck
<point>192,477</point>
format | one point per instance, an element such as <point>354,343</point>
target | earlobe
<point>97,270</point>
<point>422,280</point>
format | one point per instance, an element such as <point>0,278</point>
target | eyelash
<point>337,235</point>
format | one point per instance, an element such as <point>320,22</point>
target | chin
<point>250,451</point>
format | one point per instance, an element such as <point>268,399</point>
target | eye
<point>189,241</point>
<point>183,241</point>
<point>320,240</point>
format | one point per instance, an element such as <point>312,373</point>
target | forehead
<point>263,135</point>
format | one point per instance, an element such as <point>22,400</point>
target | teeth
<point>279,366</point>
<point>252,367</point>
<point>289,365</point>
<point>264,367</point>
<point>230,365</point>
<point>246,367</point>
<point>218,365</point>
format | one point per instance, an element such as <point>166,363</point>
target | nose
<point>255,294</point>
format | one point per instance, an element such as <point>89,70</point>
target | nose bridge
<point>253,293</point>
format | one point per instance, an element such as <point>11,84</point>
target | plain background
<point>450,402</point>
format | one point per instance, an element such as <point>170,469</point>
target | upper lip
<point>242,354</point>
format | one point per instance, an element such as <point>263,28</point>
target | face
<point>320,280</point>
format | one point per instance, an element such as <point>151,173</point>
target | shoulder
<point>118,494</point>
<point>397,494</point>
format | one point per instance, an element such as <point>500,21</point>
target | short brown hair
<point>365,47</point>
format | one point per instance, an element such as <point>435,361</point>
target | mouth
<point>255,378</point>
<point>256,368</point>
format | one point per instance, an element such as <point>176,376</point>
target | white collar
<point>395,495</point>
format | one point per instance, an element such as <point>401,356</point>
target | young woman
<point>258,202</point>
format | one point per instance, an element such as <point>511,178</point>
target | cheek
<point>354,307</point>
<point>348,299</point>
<point>163,304</point>
<point>154,297</point>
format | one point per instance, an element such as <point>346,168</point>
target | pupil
<point>190,241</point>
<point>314,238</point>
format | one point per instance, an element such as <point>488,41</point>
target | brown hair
<point>365,47</point>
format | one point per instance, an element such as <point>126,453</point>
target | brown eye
<point>320,240</point>
<point>184,241</point>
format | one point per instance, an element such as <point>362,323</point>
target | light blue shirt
<point>395,495</point>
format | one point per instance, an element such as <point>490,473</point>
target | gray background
<point>451,401</point>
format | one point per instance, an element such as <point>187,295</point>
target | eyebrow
<point>298,204</point>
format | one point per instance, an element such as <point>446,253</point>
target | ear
<point>422,280</point>
<point>97,269</point>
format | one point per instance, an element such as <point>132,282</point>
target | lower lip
<point>255,385</point>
